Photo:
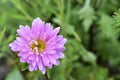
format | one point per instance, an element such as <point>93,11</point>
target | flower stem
<point>46,77</point>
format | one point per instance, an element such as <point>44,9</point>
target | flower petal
<point>25,32</point>
<point>31,68</point>
<point>43,70</point>
<point>22,60</point>
<point>45,60</point>
<point>37,27</point>
<point>50,65</point>
<point>57,62</point>
<point>40,64</point>
<point>60,55</point>
<point>51,59</point>
<point>56,30</point>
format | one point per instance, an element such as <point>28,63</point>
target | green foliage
<point>90,26</point>
<point>117,21</point>
<point>2,33</point>
<point>87,14</point>
<point>106,25</point>
<point>14,74</point>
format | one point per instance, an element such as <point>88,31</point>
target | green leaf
<point>117,22</point>
<point>87,15</point>
<point>71,31</point>
<point>19,7</point>
<point>2,55</point>
<point>56,20</point>
<point>2,35</point>
<point>89,57</point>
<point>79,49</point>
<point>14,75</point>
<point>22,66</point>
<point>106,26</point>
<point>100,73</point>
<point>110,79</point>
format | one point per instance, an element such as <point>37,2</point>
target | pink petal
<point>45,60</point>
<point>48,29</point>
<point>50,65</point>
<point>34,63</point>
<point>22,60</point>
<point>56,30</point>
<point>40,64</point>
<point>26,55</point>
<point>50,52</point>
<point>60,39</point>
<point>25,32</point>
<point>32,57</point>
<point>43,70</point>
<point>13,46</point>
<point>37,26</point>
<point>31,68</point>
<point>57,62</point>
<point>60,55</point>
<point>51,59</point>
<point>20,54</point>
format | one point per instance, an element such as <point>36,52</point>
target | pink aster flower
<point>39,46</point>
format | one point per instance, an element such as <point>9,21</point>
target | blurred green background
<point>92,28</point>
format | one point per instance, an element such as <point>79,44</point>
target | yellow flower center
<point>38,46</point>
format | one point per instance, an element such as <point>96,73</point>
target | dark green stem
<point>46,77</point>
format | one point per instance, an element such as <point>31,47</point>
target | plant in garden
<point>39,46</point>
<point>90,26</point>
